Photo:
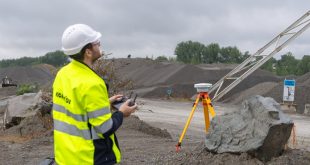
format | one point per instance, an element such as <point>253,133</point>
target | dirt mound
<point>181,78</point>
<point>32,126</point>
<point>302,95</point>
<point>217,66</point>
<point>193,74</point>
<point>259,89</point>
<point>187,90</point>
<point>273,88</point>
<point>39,124</point>
<point>178,91</point>
<point>145,73</point>
<point>304,79</point>
<point>200,156</point>
<point>40,74</point>
<point>302,92</point>
<point>152,79</point>
<point>257,77</point>
<point>7,91</point>
<point>133,122</point>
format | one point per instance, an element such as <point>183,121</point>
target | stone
<point>20,107</point>
<point>258,127</point>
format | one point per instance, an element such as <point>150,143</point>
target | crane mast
<point>248,66</point>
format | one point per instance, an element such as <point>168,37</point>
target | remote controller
<point>117,104</point>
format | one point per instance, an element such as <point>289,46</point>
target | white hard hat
<point>76,36</point>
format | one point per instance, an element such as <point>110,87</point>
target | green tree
<point>161,58</point>
<point>195,52</point>
<point>230,55</point>
<point>245,55</point>
<point>27,88</point>
<point>211,53</point>
<point>172,59</point>
<point>269,65</point>
<point>189,52</point>
<point>57,58</point>
<point>287,65</point>
<point>304,65</point>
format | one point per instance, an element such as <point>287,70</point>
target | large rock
<point>259,128</point>
<point>22,106</point>
<point>3,105</point>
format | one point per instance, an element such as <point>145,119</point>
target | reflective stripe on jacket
<point>82,118</point>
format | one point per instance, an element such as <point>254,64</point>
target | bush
<point>26,88</point>
<point>161,58</point>
<point>107,71</point>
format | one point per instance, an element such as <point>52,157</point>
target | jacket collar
<point>81,64</point>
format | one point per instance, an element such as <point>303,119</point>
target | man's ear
<point>88,53</point>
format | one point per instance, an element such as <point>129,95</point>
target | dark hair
<point>80,56</point>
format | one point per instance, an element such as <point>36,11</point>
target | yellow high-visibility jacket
<point>83,123</point>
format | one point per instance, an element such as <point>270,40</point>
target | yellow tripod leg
<point>210,107</point>
<point>206,113</point>
<point>178,146</point>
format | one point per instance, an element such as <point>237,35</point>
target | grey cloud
<point>144,27</point>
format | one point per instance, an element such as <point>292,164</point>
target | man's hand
<point>114,98</point>
<point>126,109</point>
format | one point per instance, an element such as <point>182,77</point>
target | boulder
<point>3,106</point>
<point>19,107</point>
<point>258,127</point>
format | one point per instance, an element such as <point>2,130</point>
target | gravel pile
<point>181,77</point>
<point>40,74</point>
<point>302,92</point>
<point>7,91</point>
<point>133,122</point>
<point>152,79</point>
<point>259,89</point>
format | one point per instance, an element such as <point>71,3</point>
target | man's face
<point>96,52</point>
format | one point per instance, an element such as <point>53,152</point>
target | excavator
<point>7,82</point>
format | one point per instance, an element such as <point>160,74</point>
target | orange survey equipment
<point>202,95</point>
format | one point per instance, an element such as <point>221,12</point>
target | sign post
<point>289,90</point>
<point>289,96</point>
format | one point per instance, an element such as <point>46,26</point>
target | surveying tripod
<point>207,107</point>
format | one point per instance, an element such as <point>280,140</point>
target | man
<point>84,127</point>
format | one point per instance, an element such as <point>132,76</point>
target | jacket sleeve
<point>117,118</point>
<point>97,105</point>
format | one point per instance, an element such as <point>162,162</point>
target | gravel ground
<point>150,137</point>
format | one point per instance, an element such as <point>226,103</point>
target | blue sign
<point>289,90</point>
<point>289,82</point>
<point>169,91</point>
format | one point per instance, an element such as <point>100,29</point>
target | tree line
<point>288,65</point>
<point>196,53</point>
<point>191,52</point>
<point>56,58</point>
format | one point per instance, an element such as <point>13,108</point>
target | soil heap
<point>152,79</point>
<point>42,74</point>
<point>302,92</point>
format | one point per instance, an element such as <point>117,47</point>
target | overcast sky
<point>149,28</point>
